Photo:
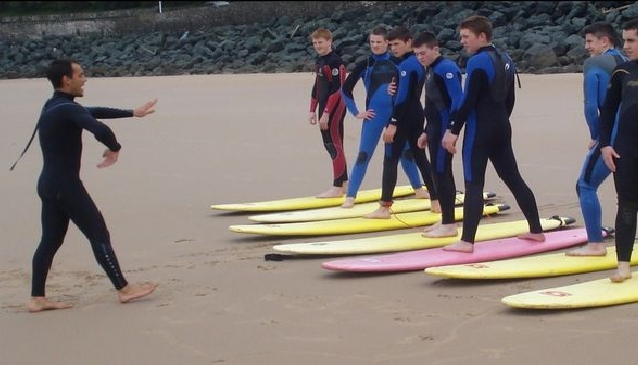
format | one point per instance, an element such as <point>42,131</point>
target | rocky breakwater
<point>542,37</point>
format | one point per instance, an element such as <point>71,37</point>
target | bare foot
<point>590,249</point>
<point>135,291</point>
<point>538,237</point>
<point>39,304</point>
<point>421,193</point>
<point>623,273</point>
<point>435,206</point>
<point>443,230</point>
<point>349,203</point>
<point>432,227</point>
<point>333,192</point>
<point>460,246</point>
<point>380,213</point>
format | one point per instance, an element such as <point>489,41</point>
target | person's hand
<point>367,115</point>
<point>392,87</point>
<point>145,109</point>
<point>323,121</point>
<point>312,118</point>
<point>609,154</point>
<point>449,141</point>
<point>110,157</point>
<point>388,134</point>
<point>591,144</point>
<point>422,142</point>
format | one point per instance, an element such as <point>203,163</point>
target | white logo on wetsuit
<point>449,75</point>
<point>403,73</point>
<point>507,66</point>
<point>335,72</point>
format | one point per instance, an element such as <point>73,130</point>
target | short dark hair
<point>400,32</point>
<point>380,30</point>
<point>631,25</point>
<point>602,29</point>
<point>425,38</point>
<point>58,69</point>
<point>478,24</point>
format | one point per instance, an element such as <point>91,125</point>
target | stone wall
<point>179,20</point>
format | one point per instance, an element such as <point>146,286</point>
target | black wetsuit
<point>62,193</point>
<point>487,105</point>
<point>622,96</point>
<point>408,117</point>
<point>326,95</point>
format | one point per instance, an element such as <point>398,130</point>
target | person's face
<point>630,43</point>
<point>75,84</point>
<point>596,46</point>
<point>400,47</point>
<point>426,55</point>
<point>378,44</point>
<point>322,46</point>
<point>472,42</point>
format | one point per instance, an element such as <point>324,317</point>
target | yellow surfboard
<point>358,210</point>
<point>596,293</point>
<point>355,225</point>
<point>308,202</point>
<point>546,265</point>
<point>414,240</point>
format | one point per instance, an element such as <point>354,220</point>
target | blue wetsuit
<point>377,73</point>
<point>61,190</point>
<point>326,96</point>
<point>620,111</point>
<point>443,94</point>
<point>488,101</point>
<point>597,72</point>
<point>409,118</point>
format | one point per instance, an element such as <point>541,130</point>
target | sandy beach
<point>240,138</point>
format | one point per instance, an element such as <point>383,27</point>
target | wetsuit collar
<point>62,94</point>
<point>379,57</point>
<point>436,61</point>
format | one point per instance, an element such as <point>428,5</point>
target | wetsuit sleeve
<point>454,88</point>
<point>472,86</point>
<point>348,87</point>
<point>510,99</point>
<point>591,85</point>
<point>313,97</point>
<point>335,86</point>
<point>610,107</point>
<point>404,85</point>
<point>109,113</point>
<point>83,119</point>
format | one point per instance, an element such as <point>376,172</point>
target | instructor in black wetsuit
<point>488,101</point>
<point>60,188</point>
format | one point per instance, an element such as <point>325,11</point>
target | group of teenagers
<point>395,85</point>
<point>403,70</point>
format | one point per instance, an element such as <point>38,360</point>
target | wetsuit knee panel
<point>332,150</point>
<point>362,158</point>
<point>408,155</point>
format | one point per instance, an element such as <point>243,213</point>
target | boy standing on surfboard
<point>326,96</point>
<point>621,154</point>
<point>600,39</point>
<point>376,72</point>
<point>443,94</point>
<point>406,123</point>
<point>488,101</point>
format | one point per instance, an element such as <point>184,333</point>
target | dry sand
<point>239,138</point>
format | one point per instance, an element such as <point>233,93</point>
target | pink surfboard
<point>483,251</point>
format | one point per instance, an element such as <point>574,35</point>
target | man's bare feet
<point>333,192</point>
<point>421,193</point>
<point>590,249</point>
<point>443,230</point>
<point>435,206</point>
<point>381,213</point>
<point>623,273</point>
<point>348,203</point>
<point>538,237</point>
<point>432,227</point>
<point>135,291</point>
<point>39,304</point>
<point>460,246</point>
